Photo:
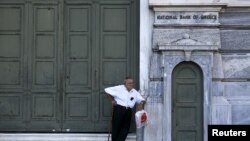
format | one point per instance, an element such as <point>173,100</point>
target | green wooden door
<point>187,101</point>
<point>57,56</point>
<point>12,71</point>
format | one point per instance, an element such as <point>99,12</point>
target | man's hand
<point>113,102</point>
<point>140,106</point>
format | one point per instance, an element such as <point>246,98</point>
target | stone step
<point>58,137</point>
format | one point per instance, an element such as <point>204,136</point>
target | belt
<point>124,107</point>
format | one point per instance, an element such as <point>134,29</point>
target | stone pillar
<point>154,105</point>
<point>221,109</point>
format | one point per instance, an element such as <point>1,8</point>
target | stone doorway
<point>187,99</point>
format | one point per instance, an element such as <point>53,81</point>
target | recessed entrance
<point>187,102</point>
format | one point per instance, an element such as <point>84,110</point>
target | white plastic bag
<point>141,118</point>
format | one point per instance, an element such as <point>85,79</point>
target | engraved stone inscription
<point>183,18</point>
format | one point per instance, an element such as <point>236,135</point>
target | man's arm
<point>140,102</point>
<point>112,100</point>
<point>111,92</point>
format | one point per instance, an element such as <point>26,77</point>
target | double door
<point>57,56</point>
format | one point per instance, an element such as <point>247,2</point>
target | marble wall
<point>236,66</point>
<point>235,40</point>
<point>235,55</point>
<point>221,48</point>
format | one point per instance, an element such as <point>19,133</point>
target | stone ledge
<point>229,3</point>
<point>158,3</point>
<point>58,137</point>
<point>188,47</point>
<point>187,25</point>
<point>199,8</point>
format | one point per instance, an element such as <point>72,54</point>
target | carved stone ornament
<point>187,43</point>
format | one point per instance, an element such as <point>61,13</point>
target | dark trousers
<point>121,123</point>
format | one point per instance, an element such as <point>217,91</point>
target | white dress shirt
<point>124,97</point>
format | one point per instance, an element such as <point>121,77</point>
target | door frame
<point>171,59</point>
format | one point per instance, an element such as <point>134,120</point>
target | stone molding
<point>229,3</point>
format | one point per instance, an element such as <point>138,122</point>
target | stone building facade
<point>214,37</point>
<point>56,56</point>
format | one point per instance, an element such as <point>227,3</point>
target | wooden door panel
<point>115,18</point>
<point>78,107</point>
<point>43,99</point>
<point>11,18</point>
<point>12,82</point>
<point>117,43</point>
<point>78,96</point>
<point>43,106</point>
<point>115,54</point>
<point>78,74</point>
<point>11,115</point>
<point>189,90</point>
<point>79,18</point>
<point>187,100</point>
<point>114,72</point>
<point>44,48</point>
<point>10,46</point>
<point>190,114</point>
<point>10,72</point>
<point>79,46</point>
<point>78,53</point>
<point>45,19</point>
